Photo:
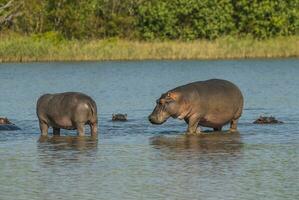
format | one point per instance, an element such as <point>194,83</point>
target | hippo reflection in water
<point>212,103</point>
<point>69,110</point>
<point>225,142</point>
<point>62,150</point>
<point>69,142</point>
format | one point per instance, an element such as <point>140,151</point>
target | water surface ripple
<point>137,160</point>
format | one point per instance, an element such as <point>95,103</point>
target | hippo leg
<point>93,129</point>
<point>218,129</point>
<point>80,129</point>
<point>56,131</point>
<point>233,125</point>
<point>193,126</point>
<point>43,128</point>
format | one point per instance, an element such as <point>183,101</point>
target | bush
<point>115,18</point>
<point>185,19</point>
<point>152,19</point>
<point>73,18</point>
<point>51,36</point>
<point>267,18</point>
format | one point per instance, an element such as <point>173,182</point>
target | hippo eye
<point>169,101</point>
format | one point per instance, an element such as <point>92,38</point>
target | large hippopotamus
<point>69,110</point>
<point>211,103</point>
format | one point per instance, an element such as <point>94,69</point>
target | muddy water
<point>137,160</point>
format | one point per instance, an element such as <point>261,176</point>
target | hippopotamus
<point>4,120</point>
<point>212,103</point>
<point>7,125</point>
<point>69,110</point>
<point>267,120</point>
<point>119,117</point>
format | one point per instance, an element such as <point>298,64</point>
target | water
<point>137,160</point>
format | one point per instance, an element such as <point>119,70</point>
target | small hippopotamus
<point>119,117</point>
<point>4,121</point>
<point>211,103</point>
<point>267,120</point>
<point>7,125</point>
<point>69,110</point>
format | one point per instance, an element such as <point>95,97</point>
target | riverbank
<point>15,48</point>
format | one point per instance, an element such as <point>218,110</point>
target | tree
<point>267,18</point>
<point>9,11</point>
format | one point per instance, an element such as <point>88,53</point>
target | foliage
<point>116,18</point>
<point>73,18</point>
<point>185,19</point>
<point>151,19</point>
<point>266,18</point>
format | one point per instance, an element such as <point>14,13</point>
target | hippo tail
<point>93,108</point>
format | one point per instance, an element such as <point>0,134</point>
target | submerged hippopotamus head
<point>4,121</point>
<point>168,105</point>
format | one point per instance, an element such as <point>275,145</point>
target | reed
<point>16,48</point>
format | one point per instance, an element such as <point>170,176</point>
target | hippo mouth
<point>155,121</point>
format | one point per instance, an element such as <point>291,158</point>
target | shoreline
<point>145,60</point>
<point>22,49</point>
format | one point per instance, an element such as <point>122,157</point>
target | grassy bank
<point>15,48</point>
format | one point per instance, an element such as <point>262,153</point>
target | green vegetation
<point>152,19</point>
<point>52,47</point>
<point>147,29</point>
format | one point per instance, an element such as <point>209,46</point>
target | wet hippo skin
<point>69,110</point>
<point>212,103</point>
<point>6,125</point>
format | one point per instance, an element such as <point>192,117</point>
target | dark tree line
<point>151,19</point>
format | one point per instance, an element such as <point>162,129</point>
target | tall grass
<point>16,48</point>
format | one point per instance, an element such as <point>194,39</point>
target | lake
<point>138,160</point>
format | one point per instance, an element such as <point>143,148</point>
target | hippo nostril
<point>150,118</point>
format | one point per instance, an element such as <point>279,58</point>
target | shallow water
<point>137,160</point>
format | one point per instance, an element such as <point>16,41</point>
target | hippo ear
<point>172,96</point>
